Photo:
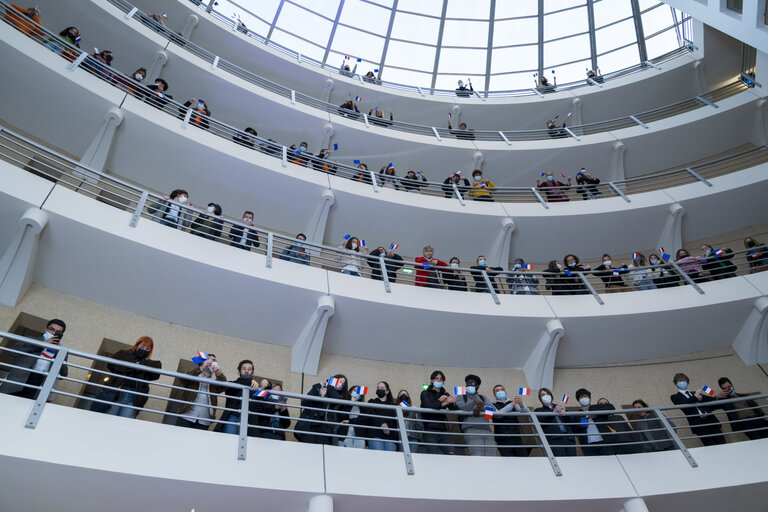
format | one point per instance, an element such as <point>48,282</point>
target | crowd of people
<point>486,428</point>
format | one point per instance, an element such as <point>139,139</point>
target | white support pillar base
<point>635,505</point>
<point>322,503</point>
<point>327,88</point>
<point>328,132</point>
<point>619,173</point>
<point>159,60</point>
<point>699,68</point>
<point>18,261</point>
<point>751,343</point>
<point>576,115</point>
<point>315,229</point>
<point>455,118</point>
<point>760,130</point>
<point>305,356</point>
<point>192,22</point>
<point>539,369</point>
<point>671,237</point>
<point>498,255</point>
<point>478,158</point>
<point>96,155</point>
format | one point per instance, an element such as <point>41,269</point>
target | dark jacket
<point>388,417</point>
<point>454,280</point>
<point>207,226</point>
<point>551,426</point>
<point>463,186</point>
<point>236,234</point>
<point>325,412</point>
<point>608,277</point>
<point>694,417</point>
<point>141,387</point>
<point>477,275</point>
<point>293,254</point>
<point>28,361</point>
<point>392,265</point>
<point>264,413</point>
<point>571,284</point>
<point>648,429</point>
<point>234,398</point>
<point>615,429</point>
<point>430,400</point>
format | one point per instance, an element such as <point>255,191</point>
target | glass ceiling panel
<point>465,33</point>
<point>615,36</point>
<point>402,76</point>
<point>294,43</point>
<point>357,44</point>
<point>325,8</point>
<point>365,17</point>
<point>560,24</point>
<point>265,9</point>
<point>656,20</point>
<point>409,55</point>
<point>514,59</point>
<point>606,12</point>
<point>557,5</point>
<point>305,24</point>
<point>516,8</point>
<point>619,59</point>
<point>405,28</point>
<point>463,63</point>
<point>511,82</point>
<point>433,7</point>
<point>473,9</point>
<point>508,32</point>
<point>661,44</point>
<point>566,50</point>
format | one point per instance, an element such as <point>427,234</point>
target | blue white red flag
<point>390,166</point>
<point>528,266</point>
<point>708,391</point>
<point>565,399</point>
<point>48,353</point>
<point>393,246</point>
<point>262,393</point>
<point>333,381</point>
<point>403,403</point>
<point>635,256</point>
<point>200,357</point>
<point>719,252</point>
<point>488,412</point>
<point>358,99</point>
<point>459,390</point>
<point>664,254</point>
<point>361,390</point>
<point>78,39</point>
<point>524,391</point>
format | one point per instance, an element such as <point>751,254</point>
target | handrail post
<point>504,137</point>
<point>46,387</point>
<point>384,274</point>
<point>539,198</point>
<point>680,446</point>
<point>491,288</point>
<point>639,122</point>
<point>270,248</point>
<point>570,133</point>
<point>437,135</point>
<point>698,176</point>
<point>242,442</point>
<point>404,441</point>
<point>285,156</point>
<point>458,195</point>
<point>686,277</point>
<point>545,445</point>
<point>373,181</point>
<point>590,288</point>
<point>139,208</point>
<point>79,60</point>
<point>618,192</point>
<point>130,13</point>
<point>293,97</point>
<point>187,117</point>
<point>365,120</point>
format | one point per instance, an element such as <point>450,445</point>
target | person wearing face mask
<point>554,191</point>
<point>350,258</point>
<point>557,428</point>
<point>234,398</point>
<point>757,255</point>
<point>462,184</point>
<point>200,112</point>
<point>200,400</point>
<point>640,276</point>
<point>477,274</point>
<point>590,440</point>
<point>244,237</point>
<point>392,263</point>
<point>452,276</point>
<point>476,428</point>
<point>745,415</point>
<point>208,225</point>
<point>351,429</point>
<point>130,392</point>
<point>170,212</point>
<point>435,430</point>
<point>719,267</point>
<point>482,189</point>
<point>386,431</point>
<point>691,265</point>
<point>413,424</point>
<point>308,429</point>
<point>552,276</point>
<point>429,269</point>
<point>70,36</point>
<point>615,429</point>
<point>463,133</point>
<point>519,282</point>
<point>296,253</point>
<point>246,138</point>
<point>266,414</point>
<point>663,276</point>
<point>304,155</point>
<point>607,272</point>
<point>322,162</point>
<point>507,428</point>
<point>569,280</point>
<point>160,97</point>
<point>649,428</point>
<point>412,180</point>
<point>703,423</point>
<point>35,358</point>
<point>99,64</point>
<point>387,176</point>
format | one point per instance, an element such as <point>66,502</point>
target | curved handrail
<point>505,136</point>
<point>461,193</point>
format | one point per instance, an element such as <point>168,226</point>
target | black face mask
<point>381,393</point>
<point>142,353</point>
<point>244,378</point>
<point>404,398</point>
<point>108,59</point>
<point>751,243</point>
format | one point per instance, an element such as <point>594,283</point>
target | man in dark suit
<point>247,237</point>
<point>703,423</point>
<point>744,416</point>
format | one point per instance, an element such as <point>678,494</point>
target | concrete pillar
<point>498,255</point>
<point>305,356</point>
<point>18,262</point>
<point>322,503</point>
<point>751,343</point>
<point>635,505</point>
<point>192,22</point>
<point>315,229</point>
<point>95,156</point>
<point>671,237</point>
<point>327,88</point>
<point>540,367</point>
<point>159,59</point>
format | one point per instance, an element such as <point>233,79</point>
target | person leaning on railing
<point>482,190</point>
<point>426,272</point>
<point>479,439</point>
<point>383,439</point>
<point>296,253</point>
<point>268,413</point>
<point>308,429</point>
<point>719,267</point>
<point>663,277</point>
<point>36,359</point>
<point>610,275</point>
<point>26,20</point>
<point>554,190</point>
<point>198,407</point>
<point>200,112</point>
<point>351,424</point>
<point>507,428</point>
<point>758,255</point>
<point>69,36</point>
<point>413,424</point>
<point>209,225</point>
<point>244,237</point>
<point>392,263</point>
<point>126,391</point>
<point>691,265</point>
<point>703,423</point>
<point>552,278</point>
<point>350,256</point>
<point>462,184</point>
<point>234,397</point>
<point>477,274</point>
<point>641,278</point>
<point>557,429</point>
<point>519,283</point>
<point>589,435</point>
<point>569,282</point>
<point>650,428</point>
<point>435,431</point>
<point>452,276</point>
<point>615,429</point>
<point>170,210</point>
<point>744,415</point>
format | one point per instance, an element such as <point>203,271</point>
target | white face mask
<point>182,199</point>
<point>584,401</point>
<point>47,336</point>
<point>247,219</point>
<point>546,399</point>
<point>607,263</point>
<point>354,246</point>
<point>138,77</point>
<point>210,209</point>
<point>454,265</point>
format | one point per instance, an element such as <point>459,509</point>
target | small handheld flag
<point>719,252</point>
<point>390,166</point>
<point>375,70</point>
<point>708,391</point>
<point>528,266</point>
<point>524,391</point>
<point>358,99</point>
<point>48,353</point>
<point>450,116</point>
<point>426,265</point>
<point>359,60</point>
<point>393,246</point>
<point>543,174</point>
<point>356,162</point>
<point>459,390</point>
<point>488,412</point>
<point>262,393</point>
<point>335,147</point>
<point>635,256</point>
<point>346,57</point>
<point>78,39</point>
<point>361,390</point>
<point>347,236</point>
<point>616,273</point>
<point>200,358</point>
<point>403,403</point>
<point>664,254</point>
<point>164,15</point>
<point>297,152</point>
<point>334,382</point>
<point>362,243</point>
<point>565,399</point>
<point>567,272</point>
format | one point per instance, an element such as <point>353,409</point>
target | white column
<point>315,229</point>
<point>322,503</point>
<point>498,255</point>
<point>328,131</point>
<point>671,237</point>
<point>455,117</point>
<point>192,22</point>
<point>18,261</point>
<point>96,155</point>
<point>760,131</point>
<point>619,173</point>
<point>540,367</point>
<point>635,505</point>
<point>478,159</point>
<point>751,343</point>
<point>577,117</point>
<point>327,88</point>
<point>158,62</point>
<point>305,356</point>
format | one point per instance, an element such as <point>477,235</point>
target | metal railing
<point>121,386</point>
<point>461,191</point>
<point>377,262</point>
<point>431,131</point>
<point>423,91</point>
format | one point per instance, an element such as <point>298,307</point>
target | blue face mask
<point>482,263</point>
<point>517,265</point>
<point>471,390</point>
<point>501,395</point>
<point>572,265</point>
<point>550,178</point>
<point>437,384</point>
<point>682,385</point>
<point>302,149</point>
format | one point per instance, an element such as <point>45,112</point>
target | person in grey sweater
<point>476,428</point>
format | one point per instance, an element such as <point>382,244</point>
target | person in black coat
<point>743,415</point>
<point>267,414</point>
<point>507,428</point>
<point>477,274</point>
<point>570,283</point>
<point>615,429</point>
<point>392,262</point>
<point>244,238</point>
<point>453,278</point>
<point>462,184</point>
<point>650,429</point>
<point>308,429</point>
<point>437,398</point>
<point>703,423</point>
<point>386,434</point>
<point>557,429</point>
<point>234,398</point>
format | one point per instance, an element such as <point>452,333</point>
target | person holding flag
<point>392,262</point>
<point>507,428</point>
<point>244,378</point>
<point>662,275</point>
<point>199,398</point>
<point>435,429</point>
<point>691,265</point>
<point>476,428</point>
<point>482,189</point>
<point>703,423</point>
<point>462,184</point>
<point>429,274</point>
<point>351,248</point>
<point>554,190</point>
<point>309,429</point>
<point>519,282</point>
<point>611,276</point>
<point>556,428</point>
<point>745,416</point>
<point>413,424</point>
<point>200,112</point>
<point>464,91</point>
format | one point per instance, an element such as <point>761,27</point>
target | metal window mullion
<point>489,54</point>
<point>541,40</point>
<point>592,41</point>
<point>274,21</point>
<point>439,45</point>
<point>333,31</point>
<point>387,38</point>
<point>639,32</point>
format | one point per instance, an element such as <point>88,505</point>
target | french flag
<point>616,273</point>
<point>361,390</point>
<point>358,99</point>
<point>664,254</point>
<point>708,391</point>
<point>403,403</point>
<point>450,116</point>
<point>346,57</point>
<point>48,353</point>
<point>719,252</point>
<point>565,399</point>
<point>635,256</point>
<point>524,391</point>
<point>333,382</point>
<point>78,39</point>
<point>164,15</point>
<point>362,243</point>
<point>562,174</point>
<point>528,266</point>
<point>390,166</point>
<point>459,390</point>
<point>200,357</point>
<point>488,412</point>
<point>262,393</point>
<point>393,246</point>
